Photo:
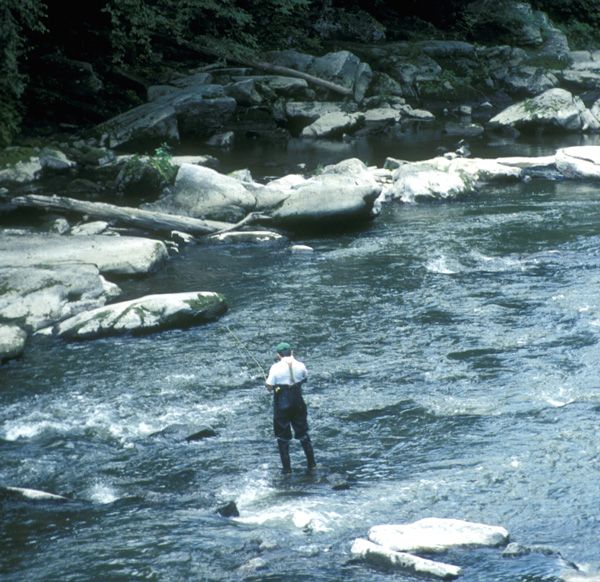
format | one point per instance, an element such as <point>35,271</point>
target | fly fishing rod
<point>247,351</point>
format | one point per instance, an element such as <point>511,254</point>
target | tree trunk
<point>145,219</point>
<point>269,68</point>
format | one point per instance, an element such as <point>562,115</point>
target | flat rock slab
<point>144,315</point>
<point>385,557</point>
<point>116,255</point>
<point>436,535</point>
<point>579,162</point>
<point>248,236</point>
<point>24,494</point>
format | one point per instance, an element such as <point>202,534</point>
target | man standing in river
<point>285,380</point>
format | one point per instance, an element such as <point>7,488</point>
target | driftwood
<point>269,68</point>
<point>146,219</point>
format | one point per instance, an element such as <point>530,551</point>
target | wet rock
<point>248,236</point>
<point>581,162</point>
<point>24,494</point>
<point>146,314</point>
<point>228,510</point>
<point>60,226</point>
<point>12,341</point>
<point>443,178</point>
<point>252,566</point>
<point>204,193</point>
<point>121,255</point>
<point>343,192</point>
<point>221,140</point>
<point>556,109</point>
<point>306,112</point>
<point>437,535</point>
<point>333,124</point>
<point>338,482</point>
<point>35,297</point>
<point>201,434</point>
<point>382,556</point>
<point>301,249</point>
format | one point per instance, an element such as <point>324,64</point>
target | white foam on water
<point>443,266</point>
<point>102,493</point>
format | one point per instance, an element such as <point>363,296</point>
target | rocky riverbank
<point>163,202</point>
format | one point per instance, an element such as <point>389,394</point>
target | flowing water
<point>454,372</point>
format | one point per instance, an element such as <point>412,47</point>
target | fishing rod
<point>239,342</point>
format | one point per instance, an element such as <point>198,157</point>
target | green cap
<point>283,348</point>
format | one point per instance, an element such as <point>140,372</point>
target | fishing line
<point>239,342</point>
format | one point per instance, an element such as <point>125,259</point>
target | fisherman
<point>285,380</point>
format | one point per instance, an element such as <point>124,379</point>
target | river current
<point>454,372</point>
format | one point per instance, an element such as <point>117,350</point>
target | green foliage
<point>162,162</point>
<point>17,19</point>
<point>147,175</point>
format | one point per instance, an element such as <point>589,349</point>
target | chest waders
<point>289,411</point>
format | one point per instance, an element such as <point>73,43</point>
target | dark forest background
<point>119,43</point>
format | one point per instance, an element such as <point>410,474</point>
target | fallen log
<point>146,219</point>
<point>267,67</point>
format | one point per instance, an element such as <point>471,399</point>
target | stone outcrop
<point>114,255</point>
<point>442,178</point>
<point>144,315</point>
<point>578,162</point>
<point>34,297</point>
<point>555,109</point>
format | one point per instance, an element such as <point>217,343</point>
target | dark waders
<point>289,411</point>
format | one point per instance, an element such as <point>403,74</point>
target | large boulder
<point>12,341</point>
<point>201,192</point>
<point>442,178</point>
<point>115,255</point>
<point>579,162</point>
<point>34,297</point>
<point>342,193</point>
<point>154,122</point>
<point>381,555</point>
<point>434,534</point>
<point>555,109</point>
<point>144,315</point>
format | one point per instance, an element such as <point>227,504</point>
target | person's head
<point>283,349</point>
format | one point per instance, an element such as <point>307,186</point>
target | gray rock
<point>437,535</point>
<point>244,92</point>
<point>463,129</point>
<point>381,555</point>
<point>146,314</point>
<point>289,87</point>
<point>305,112</point>
<point>442,178</point>
<point>197,79</point>
<point>343,192</point>
<point>12,341</point>
<point>60,226</point>
<point>221,140</point>
<point>529,81</point>
<point>291,59</point>
<point>156,92</point>
<point>35,297</point>
<point>120,255</point>
<point>555,109</point>
<point>199,116</point>
<point>53,159</point>
<point>151,122</point>
<point>579,162</point>
<point>229,509</point>
<point>362,81</point>
<point>248,236</point>
<point>204,193</point>
<point>90,228</point>
<point>22,172</point>
<point>24,494</point>
<point>333,125</point>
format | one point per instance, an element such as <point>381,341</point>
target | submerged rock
<point>436,535</point>
<point>386,557</point>
<point>143,315</point>
<point>24,494</point>
<point>228,510</point>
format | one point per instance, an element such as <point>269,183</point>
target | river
<point>454,372</point>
